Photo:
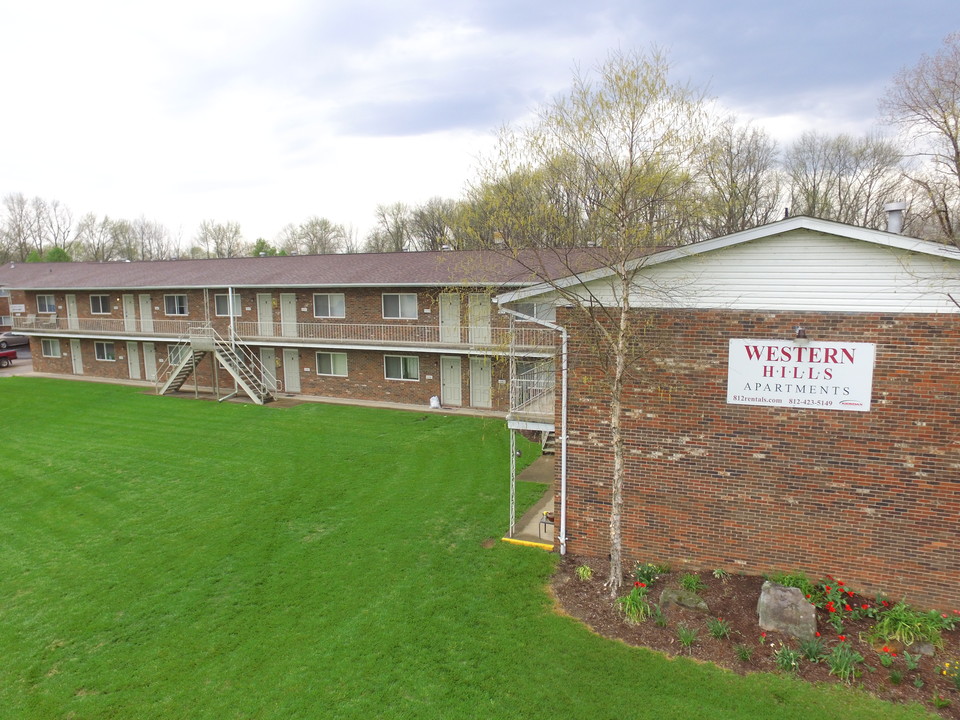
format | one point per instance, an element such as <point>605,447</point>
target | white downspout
<point>562,537</point>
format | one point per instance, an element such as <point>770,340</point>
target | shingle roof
<point>445,268</point>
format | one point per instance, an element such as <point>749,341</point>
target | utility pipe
<point>562,538</point>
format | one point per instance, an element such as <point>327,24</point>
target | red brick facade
<point>869,497</point>
<point>363,308</point>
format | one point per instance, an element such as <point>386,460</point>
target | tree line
<point>731,176</point>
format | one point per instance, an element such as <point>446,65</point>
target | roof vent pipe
<point>894,213</point>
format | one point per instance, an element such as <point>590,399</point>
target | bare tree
<point>740,171</point>
<point>17,229</point>
<point>222,240</point>
<point>924,103</point>
<point>95,238</point>
<point>392,231</point>
<point>844,178</point>
<point>430,224</point>
<point>314,236</point>
<point>617,159</point>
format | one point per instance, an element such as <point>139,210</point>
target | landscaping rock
<point>683,598</point>
<point>784,609</point>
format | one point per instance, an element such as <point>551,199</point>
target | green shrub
<point>691,582</point>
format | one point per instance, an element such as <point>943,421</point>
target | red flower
<point>639,584</point>
<point>847,607</point>
<point>818,633</point>
<point>864,606</point>
<point>763,634</point>
<point>839,582</point>
<point>807,596</point>
<point>843,638</point>
<point>827,588</point>
<point>885,603</point>
<point>886,649</point>
<point>850,593</point>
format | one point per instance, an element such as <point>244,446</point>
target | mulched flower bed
<point>734,599</point>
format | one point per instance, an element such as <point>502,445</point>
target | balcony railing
<point>484,337</point>
<point>532,393</point>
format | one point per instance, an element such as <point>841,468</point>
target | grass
<point>172,558</point>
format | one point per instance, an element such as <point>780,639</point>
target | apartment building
<point>393,327</point>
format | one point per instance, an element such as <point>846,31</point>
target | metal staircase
<point>236,358</point>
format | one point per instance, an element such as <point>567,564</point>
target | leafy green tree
<point>56,254</point>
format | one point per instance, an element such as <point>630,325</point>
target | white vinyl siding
<point>222,305</point>
<point>400,306</point>
<point>175,304</point>
<point>332,364</point>
<point>50,347</point>
<point>46,304</point>
<point>100,304</point>
<point>329,305</point>
<point>797,271</point>
<point>401,367</point>
<point>104,351</point>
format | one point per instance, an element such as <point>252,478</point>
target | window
<point>541,311</point>
<point>4,293</point>
<point>175,304</point>
<point>332,364</point>
<point>329,305</point>
<point>50,348</point>
<point>45,304</point>
<point>104,351</point>
<point>177,353</point>
<point>6,320</point>
<point>222,303</point>
<point>100,304</point>
<point>400,305</point>
<point>401,367</point>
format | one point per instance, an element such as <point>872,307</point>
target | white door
<point>265,315</point>
<point>129,314</point>
<point>479,316</point>
<point>72,322</point>
<point>76,358</point>
<point>268,357</point>
<point>288,314</point>
<point>146,314</point>
<point>449,318</point>
<point>149,361</point>
<point>291,370</point>
<point>481,380</point>
<point>450,380</point>
<point>133,360</point>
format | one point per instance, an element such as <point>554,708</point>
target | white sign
<point>17,308</point>
<point>814,375</point>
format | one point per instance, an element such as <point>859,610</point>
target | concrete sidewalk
<point>528,527</point>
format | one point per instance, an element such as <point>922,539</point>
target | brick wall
<point>869,497</point>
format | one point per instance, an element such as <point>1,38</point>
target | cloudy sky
<point>266,113</point>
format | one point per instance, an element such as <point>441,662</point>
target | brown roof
<point>444,268</point>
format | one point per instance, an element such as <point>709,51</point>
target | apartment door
<point>291,370</point>
<point>129,314</point>
<point>268,357</point>
<point>478,309</point>
<point>449,317</point>
<point>76,358</point>
<point>146,314</point>
<point>481,380</point>
<point>133,360</point>
<point>149,361</point>
<point>265,315</point>
<point>72,322</point>
<point>450,393</point>
<point>288,314</point>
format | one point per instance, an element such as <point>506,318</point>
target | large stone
<point>784,609</point>
<point>683,598</point>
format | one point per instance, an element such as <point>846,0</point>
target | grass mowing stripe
<point>169,558</point>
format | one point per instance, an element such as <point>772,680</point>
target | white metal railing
<point>185,345</point>
<point>483,336</point>
<point>401,334</point>
<point>532,391</point>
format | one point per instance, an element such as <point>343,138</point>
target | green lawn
<point>174,558</point>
